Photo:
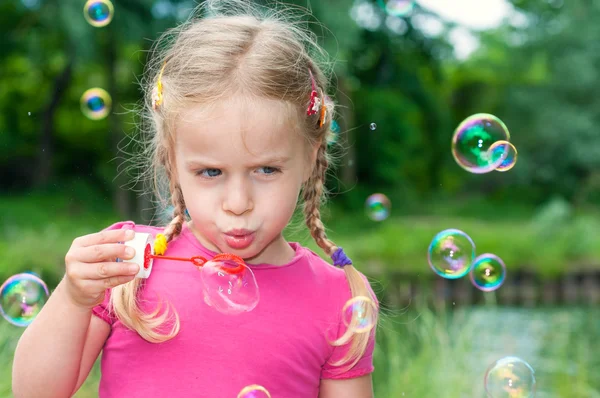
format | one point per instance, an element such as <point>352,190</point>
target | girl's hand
<point>91,266</point>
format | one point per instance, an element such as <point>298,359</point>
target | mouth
<point>239,238</point>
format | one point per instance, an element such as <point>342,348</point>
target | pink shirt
<point>282,344</point>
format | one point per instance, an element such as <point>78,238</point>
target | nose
<point>238,197</point>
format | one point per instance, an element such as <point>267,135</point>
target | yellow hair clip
<point>157,91</point>
<point>160,245</point>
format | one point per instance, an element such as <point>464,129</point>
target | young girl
<point>240,123</point>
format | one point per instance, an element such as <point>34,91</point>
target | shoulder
<point>323,273</point>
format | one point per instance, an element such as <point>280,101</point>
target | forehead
<point>238,129</point>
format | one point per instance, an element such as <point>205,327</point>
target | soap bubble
<point>96,103</point>
<point>451,254</point>
<point>510,377</point>
<point>378,207</point>
<point>254,391</point>
<point>359,314</point>
<point>396,8</point>
<point>334,133</point>
<point>229,287</point>
<point>488,272</point>
<point>506,150</point>
<point>373,126</point>
<point>98,13</point>
<point>472,140</point>
<point>22,297</point>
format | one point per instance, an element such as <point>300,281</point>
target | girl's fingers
<point>103,237</point>
<point>107,270</point>
<point>103,252</point>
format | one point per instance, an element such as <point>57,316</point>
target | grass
<point>421,353</point>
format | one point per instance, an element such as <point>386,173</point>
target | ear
<point>312,161</point>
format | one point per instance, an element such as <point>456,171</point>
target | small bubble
<point>29,113</point>
<point>356,314</point>
<point>373,126</point>
<point>98,13</point>
<point>397,8</point>
<point>378,207</point>
<point>254,391</point>
<point>96,103</point>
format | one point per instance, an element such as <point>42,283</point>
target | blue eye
<point>210,173</point>
<point>269,170</point>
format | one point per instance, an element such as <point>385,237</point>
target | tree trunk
<point>44,162</point>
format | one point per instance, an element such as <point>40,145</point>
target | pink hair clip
<point>315,102</point>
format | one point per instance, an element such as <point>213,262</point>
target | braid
<point>312,196</point>
<point>174,228</point>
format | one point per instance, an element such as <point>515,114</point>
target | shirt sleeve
<point>364,365</point>
<point>102,310</point>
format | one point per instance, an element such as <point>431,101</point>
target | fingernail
<point>129,234</point>
<point>129,251</point>
<point>133,268</point>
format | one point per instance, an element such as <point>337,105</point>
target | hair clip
<point>160,244</point>
<point>315,102</point>
<point>323,112</point>
<point>157,91</point>
<point>340,259</point>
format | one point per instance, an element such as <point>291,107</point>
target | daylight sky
<point>471,14</point>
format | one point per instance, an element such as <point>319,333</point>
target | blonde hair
<point>236,47</point>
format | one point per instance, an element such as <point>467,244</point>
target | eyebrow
<point>261,162</point>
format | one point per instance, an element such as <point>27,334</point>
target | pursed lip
<point>238,232</point>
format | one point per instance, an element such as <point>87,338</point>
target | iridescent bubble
<point>254,391</point>
<point>397,8</point>
<point>378,207</point>
<point>96,103</point>
<point>510,377</point>
<point>451,254</point>
<point>229,287</point>
<point>22,297</point>
<point>373,126</point>
<point>334,133</point>
<point>488,272</point>
<point>506,150</point>
<point>472,140</point>
<point>98,13</point>
<point>359,314</point>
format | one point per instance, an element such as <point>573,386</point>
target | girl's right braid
<point>174,227</point>
<point>312,193</point>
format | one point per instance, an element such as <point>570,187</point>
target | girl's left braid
<point>174,227</point>
<point>312,193</point>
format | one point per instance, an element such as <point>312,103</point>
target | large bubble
<point>229,287</point>
<point>451,254</point>
<point>510,377</point>
<point>22,297</point>
<point>472,140</point>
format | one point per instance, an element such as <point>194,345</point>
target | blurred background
<point>404,80</point>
